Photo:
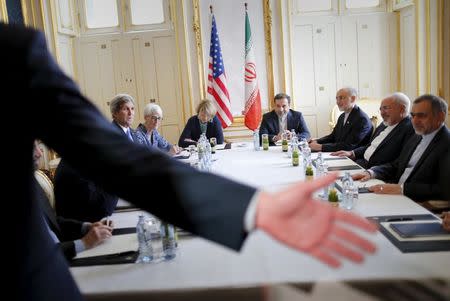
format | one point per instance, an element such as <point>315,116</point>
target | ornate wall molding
<point>267,11</point>
<point>198,40</point>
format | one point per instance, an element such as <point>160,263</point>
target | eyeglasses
<point>156,118</point>
<point>340,97</point>
<point>385,108</point>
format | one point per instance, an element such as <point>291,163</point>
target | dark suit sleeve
<point>328,138</point>
<point>186,134</point>
<point>70,228</point>
<point>68,249</point>
<point>203,203</point>
<point>360,131</point>
<point>429,191</point>
<point>359,151</point>
<point>264,128</point>
<point>387,172</point>
<point>302,130</point>
<point>79,198</point>
<point>218,132</point>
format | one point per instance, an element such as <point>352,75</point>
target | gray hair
<point>402,99</point>
<point>437,104</point>
<point>351,91</point>
<point>118,101</point>
<point>152,108</point>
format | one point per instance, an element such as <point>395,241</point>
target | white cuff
<point>250,214</point>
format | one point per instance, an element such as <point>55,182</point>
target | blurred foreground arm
<point>295,219</point>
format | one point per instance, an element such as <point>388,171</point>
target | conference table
<point>263,269</point>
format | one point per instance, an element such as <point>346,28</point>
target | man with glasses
<point>353,128</point>
<point>389,137</point>
<point>421,170</point>
<point>147,133</point>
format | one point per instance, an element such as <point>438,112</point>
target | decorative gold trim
<point>282,59</point>
<point>198,40</point>
<point>399,54</point>
<point>26,21</point>
<point>291,77</point>
<point>238,121</point>
<point>440,74</point>
<point>269,59</point>
<point>428,45</point>
<point>417,12</point>
<point>54,29</point>
<point>3,11</point>
<point>33,12</point>
<point>189,74</point>
<point>173,16</point>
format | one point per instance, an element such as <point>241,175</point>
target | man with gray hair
<point>122,111</point>
<point>421,170</point>
<point>389,137</point>
<point>147,132</point>
<point>352,129</point>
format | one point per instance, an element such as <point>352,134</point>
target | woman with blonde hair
<point>205,122</point>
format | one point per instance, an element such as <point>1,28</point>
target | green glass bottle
<point>309,173</point>
<point>284,145</point>
<point>295,157</point>
<point>333,197</point>
<point>265,141</point>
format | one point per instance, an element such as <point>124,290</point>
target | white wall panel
<point>408,52</point>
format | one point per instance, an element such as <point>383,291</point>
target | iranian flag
<point>252,109</point>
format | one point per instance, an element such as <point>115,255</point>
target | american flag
<point>217,80</point>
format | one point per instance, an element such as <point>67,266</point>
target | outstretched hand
<point>295,219</point>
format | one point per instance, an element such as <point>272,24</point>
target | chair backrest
<point>47,185</point>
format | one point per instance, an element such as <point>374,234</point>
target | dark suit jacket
<point>133,132</point>
<point>79,198</point>
<point>202,203</point>
<point>389,149</point>
<point>67,230</point>
<point>429,178</point>
<point>271,126</point>
<point>192,131</point>
<point>356,132</point>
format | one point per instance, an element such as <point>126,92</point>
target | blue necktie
<point>129,135</point>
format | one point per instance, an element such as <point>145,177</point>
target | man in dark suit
<point>352,129</point>
<point>71,235</point>
<point>282,119</point>
<point>422,168</point>
<point>389,137</point>
<point>205,204</point>
<point>79,198</point>
<point>122,111</point>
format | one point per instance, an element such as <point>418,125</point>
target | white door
<point>314,42</point>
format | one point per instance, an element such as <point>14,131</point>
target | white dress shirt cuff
<point>250,214</point>
<point>371,173</point>
<point>79,246</point>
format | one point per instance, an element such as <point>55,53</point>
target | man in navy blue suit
<point>205,204</point>
<point>353,128</point>
<point>389,137</point>
<point>282,119</point>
